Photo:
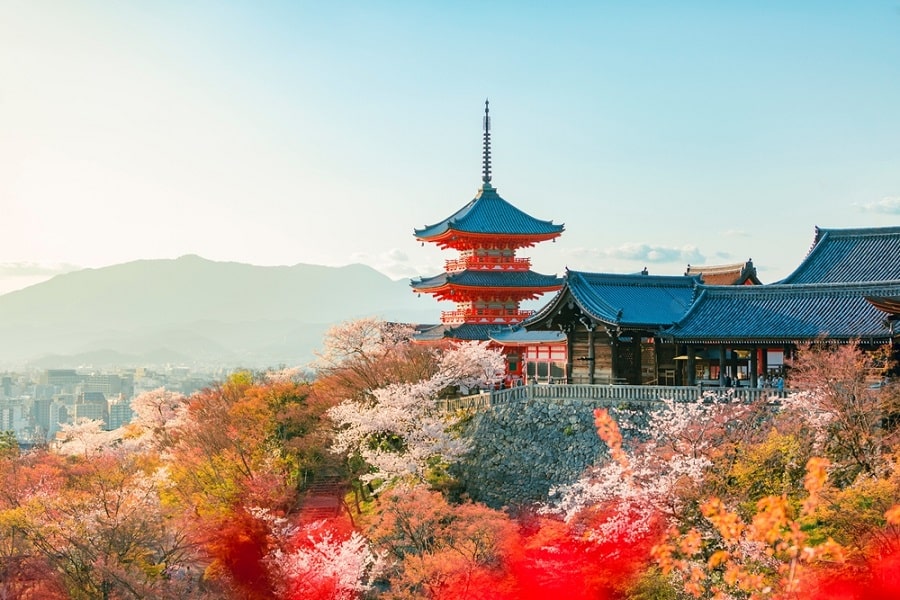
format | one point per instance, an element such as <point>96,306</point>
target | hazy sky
<point>275,133</point>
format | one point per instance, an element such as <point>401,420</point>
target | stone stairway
<point>323,499</point>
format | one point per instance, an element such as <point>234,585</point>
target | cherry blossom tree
<point>851,420</point>
<point>157,412</point>
<point>363,355</point>
<point>643,483</point>
<point>400,432</point>
<point>85,436</point>
<point>325,560</point>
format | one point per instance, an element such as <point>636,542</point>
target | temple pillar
<point>656,358</point>
<point>637,362</point>
<point>614,344</point>
<point>754,364</point>
<point>691,375</point>
<point>592,362</point>
<point>734,366</point>
<point>721,366</point>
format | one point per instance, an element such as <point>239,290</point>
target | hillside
<point>190,308</point>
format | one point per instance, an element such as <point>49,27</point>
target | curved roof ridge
<point>803,287</point>
<point>615,312</point>
<point>488,279</point>
<point>851,254</point>
<point>699,294</point>
<point>856,231</point>
<point>488,212</point>
<point>552,304</point>
<point>638,278</point>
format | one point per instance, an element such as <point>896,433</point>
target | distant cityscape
<point>35,404</point>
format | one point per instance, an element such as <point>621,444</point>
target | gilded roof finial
<point>486,155</point>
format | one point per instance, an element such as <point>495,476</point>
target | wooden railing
<point>487,263</point>
<point>485,315</point>
<point>603,394</point>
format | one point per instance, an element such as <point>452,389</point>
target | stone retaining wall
<point>521,448</point>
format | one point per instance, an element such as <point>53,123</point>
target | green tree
<point>9,445</point>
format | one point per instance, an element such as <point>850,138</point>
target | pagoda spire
<point>486,155</point>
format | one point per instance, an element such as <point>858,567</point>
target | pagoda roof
<point>526,280</point>
<point>733,274</point>
<point>463,331</point>
<point>651,301</point>
<point>845,255</point>
<point>489,214</point>
<point>787,313</point>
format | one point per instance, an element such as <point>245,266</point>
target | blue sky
<point>272,133</point>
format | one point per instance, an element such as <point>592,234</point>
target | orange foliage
<point>608,431</point>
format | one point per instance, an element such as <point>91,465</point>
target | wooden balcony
<point>487,263</point>
<point>608,395</point>
<point>485,315</point>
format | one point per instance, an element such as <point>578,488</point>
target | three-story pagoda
<point>487,281</point>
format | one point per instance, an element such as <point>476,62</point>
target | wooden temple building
<point>712,325</point>
<point>662,330</point>
<point>488,280</point>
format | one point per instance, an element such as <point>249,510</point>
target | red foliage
<point>318,585</point>
<point>557,564</point>
<point>238,547</point>
<point>878,581</point>
<point>29,578</point>
<point>550,561</point>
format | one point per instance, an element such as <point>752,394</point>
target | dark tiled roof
<point>489,213</point>
<point>520,337</point>
<point>488,279</point>
<point>785,313</point>
<point>465,331</point>
<point>627,300</point>
<point>845,255</point>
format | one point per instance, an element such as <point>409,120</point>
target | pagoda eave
<point>464,240</point>
<point>468,293</point>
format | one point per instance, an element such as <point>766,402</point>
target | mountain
<point>193,309</point>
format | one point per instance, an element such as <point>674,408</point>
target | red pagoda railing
<point>485,315</point>
<point>488,263</point>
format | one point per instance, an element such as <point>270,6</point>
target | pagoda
<point>487,281</point>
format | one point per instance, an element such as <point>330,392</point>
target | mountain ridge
<point>231,312</point>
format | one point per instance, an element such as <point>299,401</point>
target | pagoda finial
<point>486,155</point>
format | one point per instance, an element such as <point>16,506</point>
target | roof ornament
<point>486,154</point>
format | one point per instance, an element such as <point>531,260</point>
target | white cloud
<point>889,205</point>
<point>656,254</point>
<point>396,255</point>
